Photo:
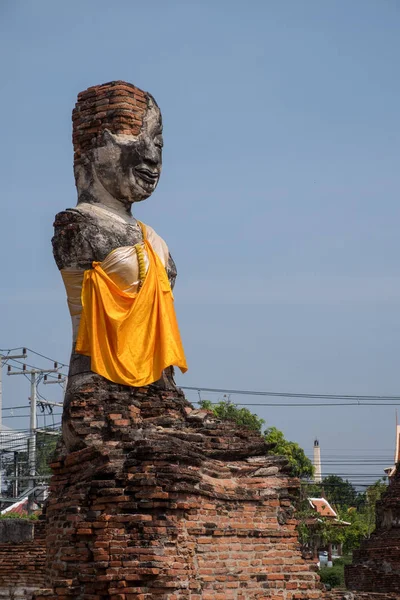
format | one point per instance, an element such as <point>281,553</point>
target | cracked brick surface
<point>154,499</point>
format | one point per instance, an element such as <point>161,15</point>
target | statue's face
<point>129,167</point>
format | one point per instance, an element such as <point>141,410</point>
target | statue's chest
<point>107,236</point>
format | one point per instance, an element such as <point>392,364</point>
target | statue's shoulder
<point>72,218</point>
<point>72,238</point>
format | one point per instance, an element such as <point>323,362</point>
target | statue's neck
<point>95,193</point>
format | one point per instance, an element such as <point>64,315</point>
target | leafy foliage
<point>226,410</point>
<point>333,576</point>
<point>301,466</point>
<point>340,493</point>
<point>11,515</point>
<point>360,513</point>
<point>362,519</point>
<point>46,445</point>
<point>316,531</point>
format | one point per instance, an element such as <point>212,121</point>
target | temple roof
<point>322,506</point>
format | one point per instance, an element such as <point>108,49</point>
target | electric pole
<point>32,427</point>
<point>3,359</point>
<point>32,432</point>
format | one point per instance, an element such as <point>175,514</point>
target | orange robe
<point>130,337</point>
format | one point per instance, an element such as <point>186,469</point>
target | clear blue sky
<point>279,198</point>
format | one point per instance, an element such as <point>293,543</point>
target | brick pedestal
<point>156,500</point>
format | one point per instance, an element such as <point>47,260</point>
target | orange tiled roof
<point>19,508</point>
<point>323,508</point>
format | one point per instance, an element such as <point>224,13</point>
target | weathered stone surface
<point>16,531</point>
<point>152,504</point>
<point>116,164</point>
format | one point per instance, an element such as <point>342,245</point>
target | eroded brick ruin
<point>166,502</point>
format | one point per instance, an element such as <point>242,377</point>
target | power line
<point>356,462</point>
<point>371,464</point>
<point>46,357</point>
<point>24,416</point>
<point>53,427</point>
<point>303,404</point>
<point>33,352</point>
<point>355,475</point>
<point>354,456</point>
<point>327,450</point>
<point>35,367</point>
<point>352,450</point>
<point>360,399</point>
<point>291,394</point>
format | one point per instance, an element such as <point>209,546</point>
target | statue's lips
<point>147,175</point>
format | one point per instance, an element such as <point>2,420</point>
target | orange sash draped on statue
<point>130,337</point>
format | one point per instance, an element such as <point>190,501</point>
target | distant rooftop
<point>324,509</point>
<point>18,508</point>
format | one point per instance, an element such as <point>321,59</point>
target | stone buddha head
<point>117,137</point>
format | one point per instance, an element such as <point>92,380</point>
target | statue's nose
<point>151,153</point>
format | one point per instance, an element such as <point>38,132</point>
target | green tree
<point>301,466</point>
<point>226,410</point>
<point>373,495</point>
<point>354,533</point>
<point>45,448</point>
<point>334,576</point>
<point>363,518</point>
<point>339,492</point>
<point>316,531</point>
<point>360,516</point>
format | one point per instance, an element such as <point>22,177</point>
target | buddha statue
<point>118,272</point>
<point>148,493</point>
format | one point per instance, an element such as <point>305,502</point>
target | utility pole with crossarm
<point>32,427</point>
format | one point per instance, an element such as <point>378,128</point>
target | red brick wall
<point>167,502</point>
<point>22,566</point>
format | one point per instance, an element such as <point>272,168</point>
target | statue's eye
<point>158,141</point>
